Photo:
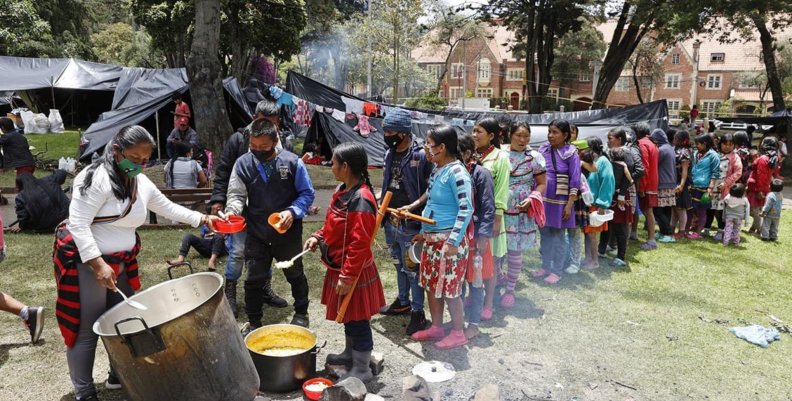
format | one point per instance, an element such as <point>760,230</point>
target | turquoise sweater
<point>705,169</point>
<point>602,183</point>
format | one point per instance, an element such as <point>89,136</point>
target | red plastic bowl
<point>234,225</point>
<point>314,395</point>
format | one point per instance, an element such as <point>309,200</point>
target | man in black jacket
<point>236,146</point>
<point>16,151</point>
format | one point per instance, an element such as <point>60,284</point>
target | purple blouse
<point>563,163</point>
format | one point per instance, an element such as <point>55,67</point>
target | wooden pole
<point>411,216</point>
<point>380,215</point>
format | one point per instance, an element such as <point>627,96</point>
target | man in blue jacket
<point>406,174</point>
<point>265,181</point>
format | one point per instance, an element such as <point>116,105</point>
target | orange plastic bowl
<point>234,225</point>
<point>274,220</point>
<point>314,395</point>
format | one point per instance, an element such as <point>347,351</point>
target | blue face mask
<point>130,168</point>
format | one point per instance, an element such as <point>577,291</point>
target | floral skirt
<point>666,197</point>
<point>442,275</point>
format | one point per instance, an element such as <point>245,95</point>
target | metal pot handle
<point>188,264</point>
<point>129,319</point>
<point>319,347</point>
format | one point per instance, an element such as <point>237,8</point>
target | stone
<point>415,388</point>
<point>488,392</point>
<point>373,397</point>
<point>336,370</point>
<point>349,389</point>
<point>377,362</point>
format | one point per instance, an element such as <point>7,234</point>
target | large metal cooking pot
<point>186,346</point>
<point>284,355</point>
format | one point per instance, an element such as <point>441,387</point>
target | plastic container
<point>415,251</point>
<point>478,266</point>
<point>314,395</point>
<point>596,219</point>
<point>234,225</point>
<point>274,220</point>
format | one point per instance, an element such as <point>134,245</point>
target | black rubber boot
<point>231,294</point>
<point>360,366</point>
<point>344,358</point>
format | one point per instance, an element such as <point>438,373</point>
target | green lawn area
<point>53,146</point>
<point>661,328</point>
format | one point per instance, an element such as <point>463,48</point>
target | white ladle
<point>289,263</point>
<point>134,304</point>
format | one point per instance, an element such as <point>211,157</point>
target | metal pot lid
<point>435,371</point>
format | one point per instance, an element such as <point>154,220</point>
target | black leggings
<point>360,332</point>
<point>205,246</point>
<point>663,217</point>
<point>619,231</point>
<point>716,215</point>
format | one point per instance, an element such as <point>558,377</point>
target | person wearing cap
<point>182,110</point>
<point>263,182</point>
<point>237,146</point>
<point>183,133</point>
<point>406,174</point>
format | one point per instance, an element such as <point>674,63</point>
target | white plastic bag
<point>35,123</point>
<point>56,122</point>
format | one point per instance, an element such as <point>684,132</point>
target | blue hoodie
<point>705,169</point>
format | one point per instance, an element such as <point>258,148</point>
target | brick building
<point>723,80</point>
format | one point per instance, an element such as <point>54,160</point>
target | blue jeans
<point>399,240</point>
<point>476,304</point>
<point>553,249</point>
<point>235,244</point>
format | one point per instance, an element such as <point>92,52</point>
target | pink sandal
<point>455,339</point>
<point>552,278</point>
<point>433,333</point>
<point>486,314</point>
<point>507,301</point>
<point>539,273</point>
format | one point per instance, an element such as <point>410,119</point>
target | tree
<point>537,25</point>
<point>646,65</point>
<point>22,31</point>
<point>169,24</point>
<point>574,54</point>
<point>206,79</point>
<point>251,28</point>
<point>667,20</point>
<point>71,23</point>
<point>447,29</point>
<point>120,44</point>
<point>768,18</point>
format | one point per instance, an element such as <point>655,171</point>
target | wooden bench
<point>198,197</point>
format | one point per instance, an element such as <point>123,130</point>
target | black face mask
<point>393,141</point>
<point>263,155</point>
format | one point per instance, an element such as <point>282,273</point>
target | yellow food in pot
<point>281,344</point>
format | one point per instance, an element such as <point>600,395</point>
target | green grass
<point>53,146</point>
<point>651,328</point>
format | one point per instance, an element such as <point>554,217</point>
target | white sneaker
<point>572,269</point>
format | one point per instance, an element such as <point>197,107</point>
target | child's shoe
<point>539,273</point>
<point>433,333</point>
<point>552,278</point>
<point>693,235</point>
<point>454,339</point>
<point>507,300</point>
<point>617,263</point>
<point>486,314</point>
<point>718,236</point>
<point>666,239</point>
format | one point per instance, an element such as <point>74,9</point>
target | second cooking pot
<point>284,355</point>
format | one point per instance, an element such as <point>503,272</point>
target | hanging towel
<point>320,109</point>
<point>275,92</point>
<point>353,106</point>
<point>339,115</point>
<point>536,210</point>
<point>285,99</point>
<point>370,109</point>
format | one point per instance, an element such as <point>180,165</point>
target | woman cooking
<point>345,242</point>
<point>96,249</point>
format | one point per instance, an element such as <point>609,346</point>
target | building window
<point>455,92</point>
<point>675,58</point>
<point>749,83</point>
<point>584,76</point>
<point>673,104</point>
<point>456,70</point>
<point>710,106</point>
<point>672,81</point>
<point>484,92</point>
<point>713,81</point>
<point>435,69</point>
<point>484,69</point>
<point>552,92</point>
<point>623,84</point>
<point>515,74</point>
<point>717,57</point>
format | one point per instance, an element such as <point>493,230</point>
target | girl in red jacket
<point>762,171</point>
<point>730,173</point>
<point>345,243</point>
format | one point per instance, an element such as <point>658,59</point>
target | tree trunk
<point>530,58</point>
<point>635,81</point>
<point>206,83</point>
<point>768,54</point>
<point>621,48</point>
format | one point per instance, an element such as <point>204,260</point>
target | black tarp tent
<point>330,132</point>
<point>781,118</point>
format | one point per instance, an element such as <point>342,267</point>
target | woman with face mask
<point>96,248</point>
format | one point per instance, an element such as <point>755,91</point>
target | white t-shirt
<point>94,240</point>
